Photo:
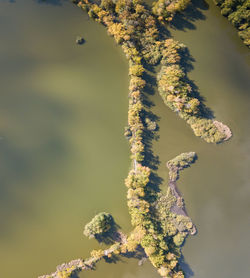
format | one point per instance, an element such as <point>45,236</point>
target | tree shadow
<point>185,20</point>
<point>153,187</point>
<point>186,64</point>
<point>112,260</point>
<point>148,136</point>
<point>187,60</point>
<point>151,84</point>
<point>186,268</point>
<point>111,236</point>
<point>204,111</point>
<point>75,275</point>
<point>138,254</point>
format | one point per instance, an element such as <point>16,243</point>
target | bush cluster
<point>166,9</point>
<point>100,224</point>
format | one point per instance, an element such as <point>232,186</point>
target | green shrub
<point>100,224</point>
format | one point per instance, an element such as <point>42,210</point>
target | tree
<point>100,224</point>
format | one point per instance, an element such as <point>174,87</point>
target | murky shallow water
<point>63,156</point>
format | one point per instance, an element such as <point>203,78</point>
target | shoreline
<point>160,222</point>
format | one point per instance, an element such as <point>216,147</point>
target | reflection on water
<point>63,157</point>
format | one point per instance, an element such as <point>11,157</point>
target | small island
<point>159,219</point>
<point>79,40</point>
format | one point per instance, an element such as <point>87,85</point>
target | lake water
<point>217,188</point>
<point>63,157</point>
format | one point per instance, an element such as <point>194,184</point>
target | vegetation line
<point>238,13</point>
<point>160,223</point>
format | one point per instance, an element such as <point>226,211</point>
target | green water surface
<point>63,157</point>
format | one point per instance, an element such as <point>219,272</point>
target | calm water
<point>217,188</point>
<point>63,156</point>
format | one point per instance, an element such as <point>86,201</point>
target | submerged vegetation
<point>160,222</point>
<point>238,13</point>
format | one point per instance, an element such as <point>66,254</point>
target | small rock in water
<point>80,40</point>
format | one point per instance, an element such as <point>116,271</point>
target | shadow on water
<point>150,134</point>
<point>111,236</point>
<point>186,19</point>
<point>74,275</point>
<point>51,2</point>
<point>186,63</point>
<point>185,266</point>
<point>187,60</point>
